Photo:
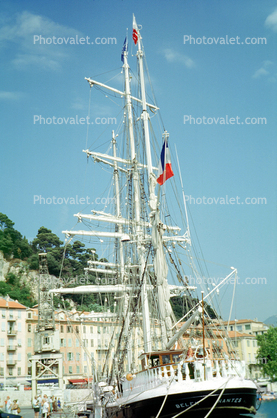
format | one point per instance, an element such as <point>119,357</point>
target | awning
<point>78,381</point>
<point>40,382</point>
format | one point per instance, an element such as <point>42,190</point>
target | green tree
<point>267,353</point>
<point>5,222</point>
<point>181,306</point>
<point>45,240</point>
<point>12,243</point>
<point>17,290</point>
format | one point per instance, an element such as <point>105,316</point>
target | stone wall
<point>24,397</point>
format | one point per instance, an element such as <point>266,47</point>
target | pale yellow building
<point>243,333</point>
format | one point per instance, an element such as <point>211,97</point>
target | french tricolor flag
<point>135,30</point>
<point>165,169</point>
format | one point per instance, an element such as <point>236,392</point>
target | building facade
<point>85,340</point>
<point>243,333</point>
<point>12,340</point>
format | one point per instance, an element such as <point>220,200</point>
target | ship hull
<point>233,403</point>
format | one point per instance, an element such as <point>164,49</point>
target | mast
<point>137,229</point>
<point>145,116</point>
<point>160,265</point>
<point>118,214</point>
<point>203,330</point>
<point>145,119</point>
<point>121,257</point>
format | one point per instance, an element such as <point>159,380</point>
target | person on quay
<point>45,407</point>
<point>14,407</point>
<point>8,405</point>
<point>36,406</point>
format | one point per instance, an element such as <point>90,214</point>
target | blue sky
<point>193,80</point>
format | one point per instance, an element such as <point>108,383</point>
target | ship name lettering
<point>230,400</point>
<point>183,405</point>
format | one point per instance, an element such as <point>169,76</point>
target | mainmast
<point>137,229</point>
<point>160,266</point>
<point>145,119</point>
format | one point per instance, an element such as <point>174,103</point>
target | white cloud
<point>174,56</point>
<point>18,33</point>
<point>265,70</point>
<point>79,104</point>
<point>11,95</point>
<point>271,21</point>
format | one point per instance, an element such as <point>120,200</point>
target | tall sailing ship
<point>155,366</point>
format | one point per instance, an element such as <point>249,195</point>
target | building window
<point>10,371</point>
<point>29,342</point>
<point>239,327</point>
<point>248,343</point>
<point>19,314</point>
<point>29,315</point>
<point>19,371</point>
<point>11,314</point>
<point>46,340</point>
<point>62,328</point>
<point>1,371</point>
<point>247,327</point>
<point>77,369</point>
<point>91,330</point>
<point>70,369</point>
<point>62,340</point>
<point>84,329</point>
<point>77,343</point>
<point>69,356</point>
<point>19,356</point>
<point>29,328</point>
<point>69,342</point>
<point>69,328</point>
<point>3,313</point>
<point>231,328</point>
<point>77,329</point>
<point>85,369</point>
<point>99,330</point>
<point>3,326</point>
<point>19,326</point>
<point>91,343</point>
<point>77,356</point>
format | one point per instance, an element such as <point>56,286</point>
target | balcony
<point>11,363</point>
<point>11,348</point>
<point>11,319</point>
<point>12,333</point>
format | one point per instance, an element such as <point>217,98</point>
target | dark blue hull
<point>233,403</point>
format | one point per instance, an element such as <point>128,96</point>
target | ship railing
<point>153,377</point>
<point>201,370</point>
